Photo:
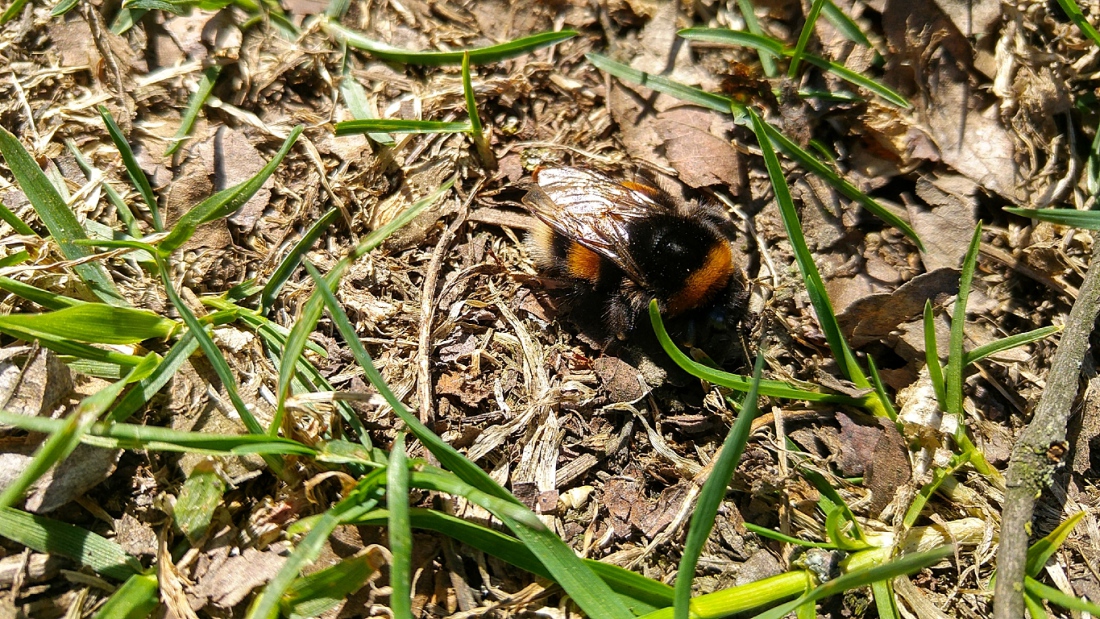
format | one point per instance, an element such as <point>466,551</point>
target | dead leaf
<point>871,318</point>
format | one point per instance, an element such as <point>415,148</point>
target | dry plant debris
<point>609,446</point>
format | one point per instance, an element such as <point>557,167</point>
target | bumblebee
<point>617,245</point>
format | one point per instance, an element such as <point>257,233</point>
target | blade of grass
<point>12,11</point>
<point>804,37</point>
<point>356,99</point>
<point>932,355</point>
<point>45,298</point>
<point>123,209</point>
<point>819,298</point>
<point>1054,596</point>
<point>224,202</point>
<point>293,258</point>
<point>907,564</point>
<point>13,220</point>
<point>1086,220</point>
<point>392,125</point>
<point>147,387</point>
<point>1042,550</point>
<point>137,598</point>
<point>880,389</point>
<point>714,490</point>
<point>1009,343</point>
<point>1075,15</point>
<point>477,133</point>
<point>593,596</point>
<point>480,55</point>
<point>323,590</point>
<point>400,532</point>
<point>94,323</point>
<point>137,176</point>
<point>79,350</point>
<point>953,391</point>
<point>194,106</point>
<point>701,98</point>
<point>97,553</point>
<point>748,13</point>
<point>199,496</point>
<point>846,25</point>
<point>57,216</point>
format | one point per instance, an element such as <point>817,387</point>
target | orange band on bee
<point>646,190</point>
<point>712,277</point>
<point>582,263</point>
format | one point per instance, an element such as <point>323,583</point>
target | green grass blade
<point>786,539</point>
<point>804,37</point>
<point>356,99</point>
<point>714,490</point>
<point>772,388</point>
<point>123,209</point>
<point>593,596</point>
<point>819,298</point>
<point>95,323</point>
<point>884,599</point>
<point>880,388</point>
<point>293,258</point>
<point>147,387</point>
<point>79,350</point>
<point>97,553</point>
<point>932,355</point>
<point>1009,343</point>
<point>1042,550</point>
<point>224,202</point>
<point>701,98</point>
<point>907,564</point>
<point>1054,596</point>
<point>400,532</point>
<point>194,106</point>
<point>857,79</point>
<point>57,216</point>
<point>392,125</point>
<point>137,176</point>
<point>13,220</point>
<point>45,298</point>
<point>1086,220</point>
<point>748,13</point>
<point>953,390</point>
<point>321,591</point>
<point>199,496</point>
<point>1075,15</point>
<point>12,11</point>
<point>846,25</point>
<point>468,92</point>
<point>137,598</point>
<point>480,55</point>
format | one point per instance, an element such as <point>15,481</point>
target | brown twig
<point>1033,464</point>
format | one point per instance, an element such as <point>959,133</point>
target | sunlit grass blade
<point>147,387</point>
<point>391,125</point>
<point>593,596</point>
<point>1076,16</point>
<point>702,98</point>
<point>123,209</point>
<point>13,220</point>
<point>831,502</point>
<point>399,530</point>
<point>197,499</point>
<point>1054,596</point>
<point>804,37</point>
<point>86,549</point>
<point>786,539</point>
<point>480,55</point>
<point>356,99</point>
<point>12,11</point>
<point>1086,220</point>
<point>844,24</point>
<point>880,388</point>
<point>1042,550</point>
<point>819,298</point>
<point>293,258</point>
<point>62,442</point>
<point>57,216</point>
<point>194,106</point>
<point>138,597</point>
<point>953,391</point>
<point>63,7</point>
<point>65,346</point>
<point>932,355</point>
<point>477,133</point>
<point>885,603</point>
<point>323,590</point>
<point>311,312</point>
<point>748,13</point>
<point>899,566</point>
<point>129,161</point>
<point>714,490</point>
<point>94,323</point>
<point>766,44</point>
<point>45,298</point>
<point>224,202</point>
<point>1009,343</point>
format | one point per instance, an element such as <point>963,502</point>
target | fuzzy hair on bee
<point>615,245</point>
